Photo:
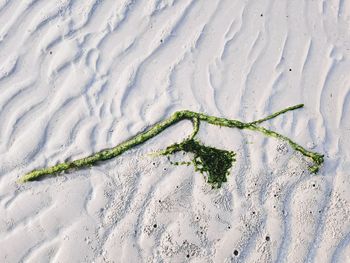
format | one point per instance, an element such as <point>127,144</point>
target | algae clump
<point>213,162</point>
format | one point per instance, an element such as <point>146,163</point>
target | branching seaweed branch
<point>157,128</point>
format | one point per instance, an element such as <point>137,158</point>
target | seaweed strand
<point>278,113</point>
<point>157,128</point>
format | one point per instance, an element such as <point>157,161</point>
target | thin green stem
<point>161,126</point>
<point>278,113</point>
<point>195,123</point>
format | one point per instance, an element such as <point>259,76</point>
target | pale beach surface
<point>77,77</point>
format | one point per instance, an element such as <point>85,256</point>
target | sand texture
<point>77,77</point>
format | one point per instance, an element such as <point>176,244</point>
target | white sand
<point>80,76</point>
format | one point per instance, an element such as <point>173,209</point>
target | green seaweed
<point>215,177</point>
<point>216,163</point>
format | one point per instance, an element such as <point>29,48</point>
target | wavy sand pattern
<point>80,76</point>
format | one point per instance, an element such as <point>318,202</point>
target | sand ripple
<point>80,76</point>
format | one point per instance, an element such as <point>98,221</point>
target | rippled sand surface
<point>80,76</point>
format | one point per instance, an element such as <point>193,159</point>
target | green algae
<point>215,163</point>
<point>205,161</point>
